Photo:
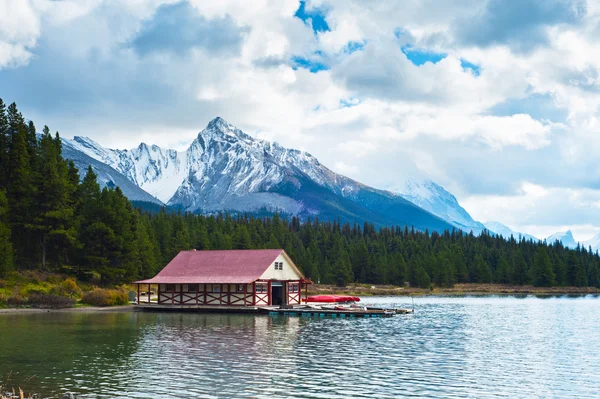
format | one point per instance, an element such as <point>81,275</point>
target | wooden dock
<point>311,312</point>
<point>301,310</point>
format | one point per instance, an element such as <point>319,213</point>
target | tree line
<point>51,219</point>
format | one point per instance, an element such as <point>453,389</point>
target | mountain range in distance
<point>225,169</point>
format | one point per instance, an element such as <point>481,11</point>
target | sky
<point>495,100</point>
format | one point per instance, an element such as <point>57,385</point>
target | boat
<point>332,298</point>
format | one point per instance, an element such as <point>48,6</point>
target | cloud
<point>520,24</point>
<point>19,31</point>
<point>178,28</point>
<point>477,96</point>
<point>540,210</point>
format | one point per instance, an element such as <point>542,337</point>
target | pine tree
<point>343,270</point>
<point>20,190</point>
<point>504,272</point>
<point>53,221</point>
<point>422,279</point>
<point>6,250</point>
<point>4,146</point>
<point>242,239</point>
<point>543,276</point>
<point>519,267</point>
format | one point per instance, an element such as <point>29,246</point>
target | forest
<point>54,218</point>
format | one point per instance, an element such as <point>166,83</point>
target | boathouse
<point>246,278</point>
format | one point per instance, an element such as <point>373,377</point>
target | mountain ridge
<point>225,169</point>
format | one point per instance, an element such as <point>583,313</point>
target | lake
<point>471,347</point>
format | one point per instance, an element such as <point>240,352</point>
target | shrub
<point>16,300</point>
<point>67,288</point>
<point>50,301</point>
<point>105,297</point>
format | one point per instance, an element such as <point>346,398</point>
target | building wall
<point>257,294</point>
<point>289,271</point>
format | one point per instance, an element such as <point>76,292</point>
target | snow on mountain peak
<point>220,164</point>
<point>435,199</point>
<point>565,237</point>
<point>507,232</point>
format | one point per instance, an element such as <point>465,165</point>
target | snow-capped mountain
<point>107,176</point>
<point>565,237</point>
<point>226,169</point>
<point>435,199</point>
<point>593,242</point>
<point>506,232</point>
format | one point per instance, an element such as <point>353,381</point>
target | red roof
<point>227,266</point>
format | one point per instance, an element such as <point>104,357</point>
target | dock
<point>312,312</point>
<point>296,310</point>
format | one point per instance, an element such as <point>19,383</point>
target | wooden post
<point>148,294</point>
<point>181,294</point>
<point>305,292</point>
<point>269,296</point>
<point>158,294</point>
<point>138,296</point>
<point>254,293</point>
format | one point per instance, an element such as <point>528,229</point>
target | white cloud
<point>429,121</point>
<point>541,211</point>
<point>19,30</point>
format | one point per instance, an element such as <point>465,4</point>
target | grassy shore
<point>458,289</point>
<point>36,289</point>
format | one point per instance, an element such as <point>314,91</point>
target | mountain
<point>506,231</point>
<point>225,169</point>
<point>593,242</point>
<point>435,199</point>
<point>107,176</point>
<point>566,238</point>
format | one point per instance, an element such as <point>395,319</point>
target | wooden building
<point>250,278</point>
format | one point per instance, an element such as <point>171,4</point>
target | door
<point>278,294</point>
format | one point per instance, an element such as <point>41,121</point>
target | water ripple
<point>489,347</point>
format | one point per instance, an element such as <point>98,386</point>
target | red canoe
<point>332,298</point>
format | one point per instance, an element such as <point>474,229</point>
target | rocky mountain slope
<point>435,199</point>
<point>225,169</point>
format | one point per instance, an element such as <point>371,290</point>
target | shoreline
<point>459,290</point>
<point>83,309</point>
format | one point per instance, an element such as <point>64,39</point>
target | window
<point>170,287</point>
<point>294,288</point>
<point>261,288</point>
<point>278,265</point>
<point>239,287</point>
<point>192,287</point>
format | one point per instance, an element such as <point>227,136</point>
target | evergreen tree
<point>504,272</point>
<point>543,276</point>
<point>241,239</point>
<point>4,146</point>
<point>6,250</point>
<point>20,190</point>
<point>422,279</point>
<point>519,267</point>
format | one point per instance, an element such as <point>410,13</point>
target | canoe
<point>332,298</point>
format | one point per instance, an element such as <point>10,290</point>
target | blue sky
<point>497,101</point>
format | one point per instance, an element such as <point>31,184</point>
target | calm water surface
<point>491,347</point>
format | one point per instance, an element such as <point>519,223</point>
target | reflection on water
<point>450,348</point>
